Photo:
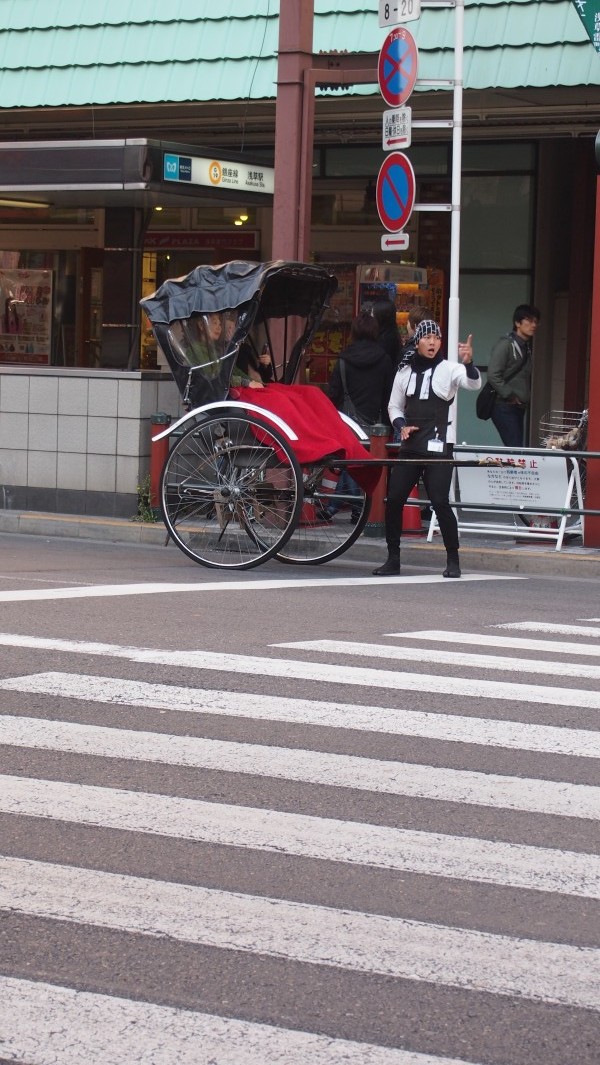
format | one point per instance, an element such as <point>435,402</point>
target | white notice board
<point>517,485</point>
<point>519,481</point>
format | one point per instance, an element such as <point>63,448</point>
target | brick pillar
<point>293,128</point>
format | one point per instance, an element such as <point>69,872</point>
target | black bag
<point>487,396</point>
<point>484,404</point>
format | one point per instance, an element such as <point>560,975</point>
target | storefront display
<point>334,334</point>
<point>359,288</point>
<point>25,316</point>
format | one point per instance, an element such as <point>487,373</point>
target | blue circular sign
<point>395,191</point>
<point>397,67</point>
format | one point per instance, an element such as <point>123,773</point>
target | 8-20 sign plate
<point>392,12</point>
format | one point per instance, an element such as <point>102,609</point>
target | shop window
<point>347,161</point>
<point>347,207</point>
<point>220,217</point>
<point>496,224</point>
<point>81,217</point>
<point>170,218</point>
<point>487,302</point>
<point>499,158</point>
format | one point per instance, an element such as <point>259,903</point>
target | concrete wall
<point>78,441</point>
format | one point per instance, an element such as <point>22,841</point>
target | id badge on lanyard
<point>436,446</point>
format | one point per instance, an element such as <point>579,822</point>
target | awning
<point>135,173</point>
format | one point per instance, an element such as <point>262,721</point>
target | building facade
<point>90,219</point>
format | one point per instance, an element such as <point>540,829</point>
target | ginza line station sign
<point>397,74</point>
<point>218,173</point>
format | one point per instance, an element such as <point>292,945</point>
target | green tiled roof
<point>76,53</point>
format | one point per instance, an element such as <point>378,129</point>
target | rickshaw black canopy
<point>255,294</point>
<point>279,288</point>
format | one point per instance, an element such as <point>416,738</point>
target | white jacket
<point>445,381</point>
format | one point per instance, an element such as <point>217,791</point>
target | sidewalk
<point>493,554</point>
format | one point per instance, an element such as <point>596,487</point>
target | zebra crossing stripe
<point>309,767</point>
<point>252,665</point>
<point>312,934</point>
<point>546,739</point>
<point>45,1024</point>
<point>445,658</point>
<point>553,627</point>
<point>499,640</point>
<point>101,591</point>
<point>378,846</point>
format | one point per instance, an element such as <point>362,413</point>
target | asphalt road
<point>295,815</point>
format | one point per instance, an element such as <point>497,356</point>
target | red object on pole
<point>411,516</point>
<point>376,524</point>
<point>159,449</point>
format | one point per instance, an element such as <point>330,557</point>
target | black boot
<point>452,565</point>
<point>391,567</point>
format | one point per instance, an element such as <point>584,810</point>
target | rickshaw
<point>237,486</point>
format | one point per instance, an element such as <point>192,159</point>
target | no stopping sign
<point>395,191</point>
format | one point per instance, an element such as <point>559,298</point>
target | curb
<point>493,556</point>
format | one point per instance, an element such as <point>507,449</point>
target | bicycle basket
<point>563,429</point>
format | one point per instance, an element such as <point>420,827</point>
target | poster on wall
<point>25,316</point>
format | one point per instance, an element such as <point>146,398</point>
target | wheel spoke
<point>317,538</point>
<point>231,492</point>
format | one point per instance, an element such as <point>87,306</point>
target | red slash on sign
<point>397,67</point>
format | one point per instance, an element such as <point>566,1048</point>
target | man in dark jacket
<point>362,389</point>
<point>509,373</point>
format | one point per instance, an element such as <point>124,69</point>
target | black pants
<point>437,480</point>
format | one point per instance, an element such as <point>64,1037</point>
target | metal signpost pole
<point>453,298</point>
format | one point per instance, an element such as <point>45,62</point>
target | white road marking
<point>560,799</point>
<point>547,739</point>
<point>445,658</point>
<point>302,932</point>
<point>99,591</point>
<point>252,665</point>
<point>466,639</point>
<point>554,627</point>
<point>44,1024</point>
<point>430,854</point>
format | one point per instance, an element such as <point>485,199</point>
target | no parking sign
<point>395,191</point>
<point>397,67</point>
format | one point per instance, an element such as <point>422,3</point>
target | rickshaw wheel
<point>318,538</point>
<point>231,491</point>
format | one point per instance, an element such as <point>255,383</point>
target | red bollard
<point>379,436</point>
<point>159,449</point>
<point>411,516</point>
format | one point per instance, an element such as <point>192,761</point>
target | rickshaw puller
<point>419,409</point>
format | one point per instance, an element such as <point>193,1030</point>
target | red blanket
<point>317,424</point>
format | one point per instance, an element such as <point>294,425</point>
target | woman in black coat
<point>384,312</point>
<point>365,393</point>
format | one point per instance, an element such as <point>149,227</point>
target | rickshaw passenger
<point>203,335</point>
<point>251,370</point>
